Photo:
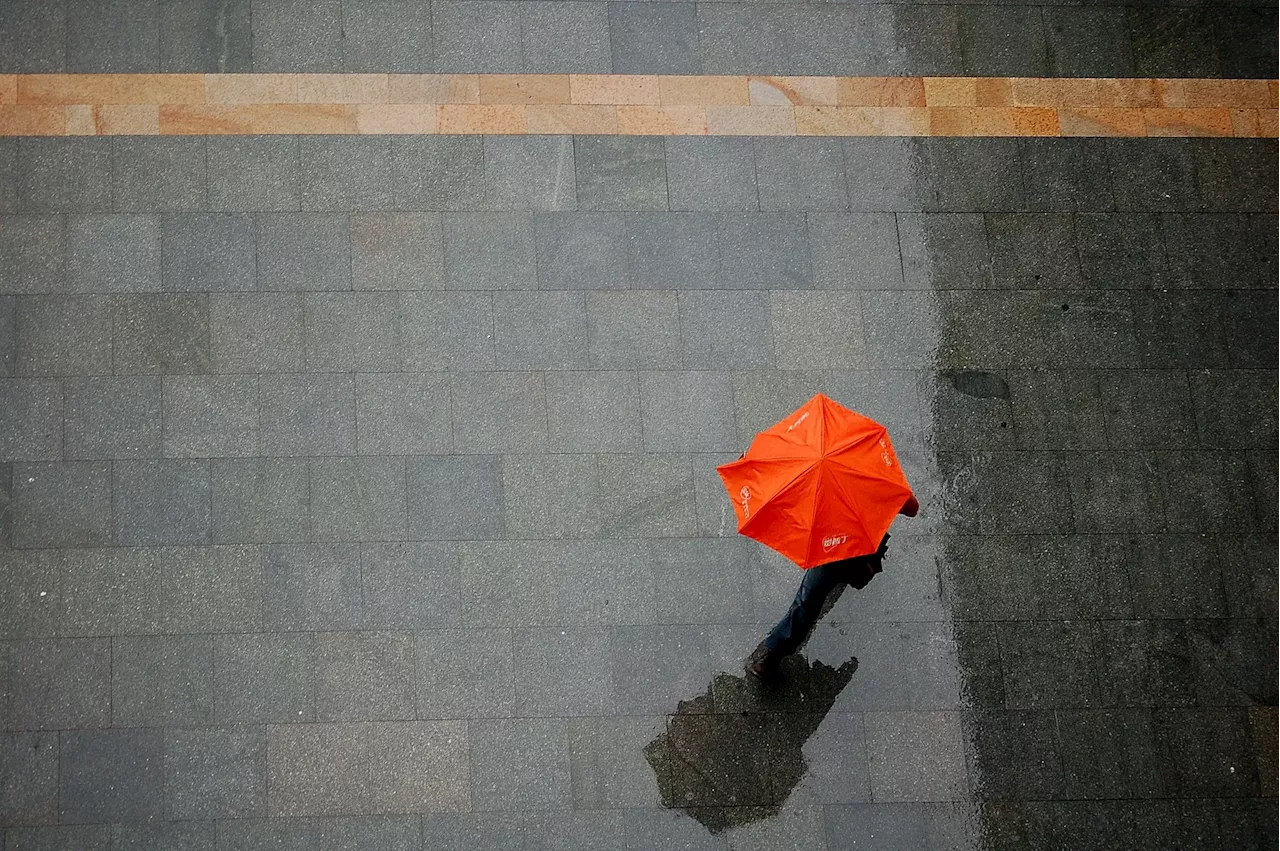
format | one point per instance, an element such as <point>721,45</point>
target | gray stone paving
<point>1230,40</point>
<point>360,493</point>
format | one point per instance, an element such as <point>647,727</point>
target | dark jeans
<point>821,585</point>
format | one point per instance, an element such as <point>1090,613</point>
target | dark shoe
<point>762,663</point>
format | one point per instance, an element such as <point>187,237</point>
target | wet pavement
<point>1229,40</point>
<point>734,755</point>
<point>359,493</point>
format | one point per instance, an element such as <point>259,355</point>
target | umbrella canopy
<point>822,485</point>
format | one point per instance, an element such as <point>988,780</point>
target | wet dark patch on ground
<point>732,755</point>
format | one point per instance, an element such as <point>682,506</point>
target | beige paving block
<point>613,89</point>
<point>250,88</point>
<point>26,120</point>
<point>1039,91</point>
<point>1273,88</point>
<point>1245,123</point>
<point>792,91</point>
<point>141,119</point>
<point>751,120</point>
<point>967,91</point>
<point>862,121</point>
<point>434,88</point>
<point>1249,94</point>
<point>572,118</point>
<point>831,121</point>
<point>499,119</point>
<point>235,119</point>
<point>993,91</point>
<point>1133,93</point>
<point>1187,122</point>
<point>662,120</point>
<point>397,118</point>
<point>110,88</point>
<point>343,88</point>
<point>524,88</point>
<point>993,121</point>
<point>954,121</point>
<point>880,91</point>
<point>304,118</point>
<point>1170,93</point>
<point>1213,94</point>
<point>1037,121</point>
<point>8,89</point>
<point>1101,122</point>
<point>703,91</point>
<point>80,120</point>
<point>1268,123</point>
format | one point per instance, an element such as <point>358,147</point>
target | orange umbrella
<point>822,485</point>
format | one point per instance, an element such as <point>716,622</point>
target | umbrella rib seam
<point>779,492</point>
<point>813,518</point>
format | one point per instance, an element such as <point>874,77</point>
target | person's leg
<point>819,590</point>
<point>795,626</point>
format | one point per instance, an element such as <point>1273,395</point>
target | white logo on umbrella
<point>830,542</point>
<point>745,493</point>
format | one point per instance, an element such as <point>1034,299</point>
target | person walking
<point>819,590</point>
<point>821,487</point>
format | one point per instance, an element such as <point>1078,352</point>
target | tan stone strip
<point>435,88</point>
<point>862,121</point>
<point>576,118</point>
<point>774,120</point>
<point>385,118</point>
<point>704,91</point>
<point>524,88</point>
<point>880,91</point>
<point>214,104</point>
<point>250,88</point>
<point>101,89</point>
<point>613,89</point>
<point>662,120</point>
<point>793,91</point>
<point>344,88</point>
<point>254,119</point>
<point>113,120</point>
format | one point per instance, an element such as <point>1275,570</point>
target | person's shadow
<point>733,754</point>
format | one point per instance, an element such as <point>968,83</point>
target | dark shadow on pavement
<point>733,755</point>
